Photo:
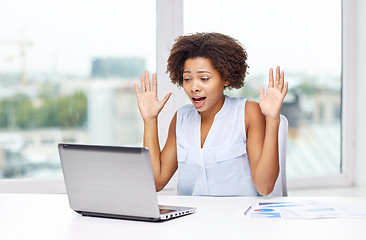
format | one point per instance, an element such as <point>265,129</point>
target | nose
<point>195,87</point>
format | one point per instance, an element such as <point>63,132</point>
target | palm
<point>147,100</point>
<point>149,105</point>
<point>270,103</point>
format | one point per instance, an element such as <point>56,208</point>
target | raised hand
<point>147,100</point>
<point>271,102</point>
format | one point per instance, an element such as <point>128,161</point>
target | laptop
<point>114,182</point>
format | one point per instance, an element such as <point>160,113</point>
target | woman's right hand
<point>147,100</point>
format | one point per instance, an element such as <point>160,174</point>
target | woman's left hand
<point>271,101</point>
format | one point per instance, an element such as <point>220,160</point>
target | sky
<point>66,34</point>
<point>301,36</point>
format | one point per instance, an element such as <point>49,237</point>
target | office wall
<point>360,90</point>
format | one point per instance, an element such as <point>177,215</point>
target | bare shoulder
<point>253,114</point>
<point>170,144</point>
<point>173,124</point>
<point>252,110</point>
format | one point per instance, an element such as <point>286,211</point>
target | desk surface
<point>41,216</point>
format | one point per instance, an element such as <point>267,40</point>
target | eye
<point>186,79</point>
<point>204,78</point>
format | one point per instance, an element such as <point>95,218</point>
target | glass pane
<point>67,70</point>
<point>307,45</point>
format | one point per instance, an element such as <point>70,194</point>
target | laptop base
<point>116,216</point>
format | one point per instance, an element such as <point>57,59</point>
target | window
<point>67,70</point>
<point>66,74</point>
<point>307,46</point>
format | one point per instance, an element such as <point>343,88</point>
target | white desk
<point>39,216</point>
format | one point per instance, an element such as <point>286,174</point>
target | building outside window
<point>307,45</point>
<point>67,70</point>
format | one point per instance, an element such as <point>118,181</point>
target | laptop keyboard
<point>164,210</point>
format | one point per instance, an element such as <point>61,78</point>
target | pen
<point>247,211</point>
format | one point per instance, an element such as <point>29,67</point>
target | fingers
<point>143,89</point>
<point>154,84</point>
<point>165,99</point>
<point>136,90</point>
<point>285,89</point>
<point>271,81</point>
<point>261,94</point>
<point>281,81</point>
<point>147,81</point>
<point>279,78</point>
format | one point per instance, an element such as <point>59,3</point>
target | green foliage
<point>65,111</point>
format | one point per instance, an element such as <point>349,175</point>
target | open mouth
<point>198,99</point>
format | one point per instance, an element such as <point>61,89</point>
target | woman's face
<point>203,85</point>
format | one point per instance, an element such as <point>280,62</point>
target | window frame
<point>170,26</point>
<point>346,177</point>
<point>348,95</point>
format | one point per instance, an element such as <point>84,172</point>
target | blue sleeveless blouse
<point>221,167</point>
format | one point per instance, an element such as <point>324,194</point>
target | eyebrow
<point>203,71</point>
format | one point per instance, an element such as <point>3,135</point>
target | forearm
<point>267,168</point>
<point>151,141</point>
